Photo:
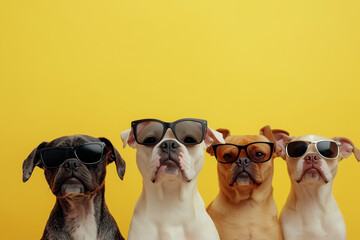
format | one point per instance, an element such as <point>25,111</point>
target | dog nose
<point>71,165</point>
<point>243,162</point>
<point>312,157</point>
<point>169,146</point>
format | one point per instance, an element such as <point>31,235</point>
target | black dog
<point>75,169</point>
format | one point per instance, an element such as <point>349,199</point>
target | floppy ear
<point>225,132</point>
<point>128,138</point>
<point>347,147</point>
<point>212,137</point>
<point>31,161</point>
<point>267,132</point>
<point>113,155</point>
<point>281,137</point>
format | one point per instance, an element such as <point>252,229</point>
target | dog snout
<point>243,162</point>
<point>312,158</point>
<point>169,146</point>
<point>71,165</point>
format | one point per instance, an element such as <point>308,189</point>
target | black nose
<point>71,165</point>
<point>243,162</point>
<point>169,146</point>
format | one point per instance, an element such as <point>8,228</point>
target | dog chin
<point>312,176</point>
<point>167,170</point>
<point>242,180</point>
<point>72,186</point>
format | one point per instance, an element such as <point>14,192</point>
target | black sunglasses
<point>326,148</point>
<point>258,152</point>
<point>188,131</point>
<point>88,153</point>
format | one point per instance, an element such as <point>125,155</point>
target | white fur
<point>171,208</point>
<point>311,211</point>
<point>83,221</point>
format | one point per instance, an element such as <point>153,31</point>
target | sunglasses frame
<point>170,125</point>
<point>315,143</point>
<point>72,150</point>
<point>240,147</point>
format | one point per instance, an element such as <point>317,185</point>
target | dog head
<point>170,160</point>
<point>312,167</point>
<point>244,173</point>
<point>72,177</point>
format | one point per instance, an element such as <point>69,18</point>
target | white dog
<point>170,157</point>
<point>311,211</point>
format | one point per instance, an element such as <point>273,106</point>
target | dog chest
<point>86,229</point>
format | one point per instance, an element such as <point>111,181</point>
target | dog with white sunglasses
<point>311,211</point>
<point>170,157</point>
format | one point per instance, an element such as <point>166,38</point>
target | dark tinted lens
<point>89,153</point>
<point>259,151</point>
<point>226,153</point>
<point>53,157</point>
<point>296,149</point>
<point>327,149</point>
<point>189,132</point>
<point>149,132</point>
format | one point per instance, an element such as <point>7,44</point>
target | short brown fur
<point>246,211</point>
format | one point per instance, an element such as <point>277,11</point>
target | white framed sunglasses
<point>326,148</point>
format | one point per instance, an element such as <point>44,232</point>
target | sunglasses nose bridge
<point>311,148</point>
<point>242,153</point>
<point>169,133</point>
<point>70,153</point>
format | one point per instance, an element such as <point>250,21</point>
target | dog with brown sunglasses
<point>245,206</point>
<point>311,211</point>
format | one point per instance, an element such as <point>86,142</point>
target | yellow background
<point>91,67</point>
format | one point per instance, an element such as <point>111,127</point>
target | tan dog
<point>245,207</point>
<point>311,211</point>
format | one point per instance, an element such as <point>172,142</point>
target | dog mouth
<point>314,174</point>
<point>168,166</point>
<point>72,185</point>
<point>243,178</point>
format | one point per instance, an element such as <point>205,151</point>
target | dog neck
<point>82,213</point>
<point>179,196</point>
<point>312,196</point>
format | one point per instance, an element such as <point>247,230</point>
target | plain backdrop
<point>91,67</point>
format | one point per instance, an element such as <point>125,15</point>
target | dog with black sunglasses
<point>311,211</point>
<point>170,157</point>
<point>245,206</point>
<point>75,169</point>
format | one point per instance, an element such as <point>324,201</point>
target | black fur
<point>70,207</point>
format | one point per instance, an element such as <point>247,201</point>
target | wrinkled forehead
<point>310,138</point>
<point>246,139</point>
<point>71,141</point>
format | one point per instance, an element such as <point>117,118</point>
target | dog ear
<point>31,161</point>
<point>347,147</point>
<point>113,155</point>
<point>267,132</point>
<point>225,132</point>
<point>281,137</point>
<point>212,137</point>
<point>128,138</point>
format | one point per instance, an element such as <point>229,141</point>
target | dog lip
<point>72,180</point>
<point>168,162</point>
<point>312,169</point>
<point>243,174</point>
<point>69,181</point>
